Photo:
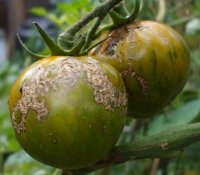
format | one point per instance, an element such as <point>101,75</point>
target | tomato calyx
<point>70,43</point>
<point>120,16</point>
<point>54,48</point>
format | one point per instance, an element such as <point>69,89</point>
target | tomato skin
<point>58,114</point>
<point>153,60</point>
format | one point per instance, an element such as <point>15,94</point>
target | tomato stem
<point>54,47</point>
<point>65,39</point>
<point>135,13</point>
<point>120,8</point>
<point>166,144</point>
<point>84,52</point>
<point>118,18</point>
<point>92,32</point>
<point>69,45</point>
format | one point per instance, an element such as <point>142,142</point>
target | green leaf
<point>39,11</point>
<point>187,113</point>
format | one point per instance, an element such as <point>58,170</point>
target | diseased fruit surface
<point>68,112</point>
<point>153,60</point>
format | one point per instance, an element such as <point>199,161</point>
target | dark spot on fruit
<point>20,90</point>
<point>111,47</point>
<point>141,81</point>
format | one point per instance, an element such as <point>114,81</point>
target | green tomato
<point>153,60</point>
<point>68,112</point>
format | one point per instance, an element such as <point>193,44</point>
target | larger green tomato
<point>68,112</point>
<point>153,60</point>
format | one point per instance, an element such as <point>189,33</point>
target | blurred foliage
<point>65,13</point>
<point>184,16</point>
<point>24,165</point>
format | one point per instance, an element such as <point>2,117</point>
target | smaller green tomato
<point>154,61</point>
<point>68,112</point>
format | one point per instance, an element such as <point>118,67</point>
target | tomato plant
<point>68,112</point>
<point>68,109</point>
<point>153,60</point>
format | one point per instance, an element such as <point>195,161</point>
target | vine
<point>69,44</point>
<point>166,144</point>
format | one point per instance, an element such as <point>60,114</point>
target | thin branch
<point>65,39</point>
<point>161,10</point>
<point>162,145</point>
<point>91,33</point>
<point>100,11</point>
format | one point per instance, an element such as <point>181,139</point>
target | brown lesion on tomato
<point>18,120</point>
<point>104,91</point>
<point>141,81</point>
<point>20,90</point>
<point>29,101</point>
<point>66,72</point>
<point>108,47</point>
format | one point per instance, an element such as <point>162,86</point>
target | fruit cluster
<point>68,112</point>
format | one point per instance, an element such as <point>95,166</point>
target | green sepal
<point>53,47</point>
<point>120,8</point>
<point>118,18</point>
<point>104,28</point>
<point>75,51</point>
<point>29,51</point>
<point>93,46</point>
<point>84,52</point>
<point>134,14</point>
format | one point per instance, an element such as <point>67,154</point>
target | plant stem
<point>100,11</point>
<point>118,18</point>
<point>91,33</point>
<point>161,10</point>
<point>162,145</point>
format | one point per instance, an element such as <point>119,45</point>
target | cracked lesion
<point>104,91</point>
<point>31,99</point>
<point>141,81</point>
<point>64,72</point>
<point>109,46</point>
